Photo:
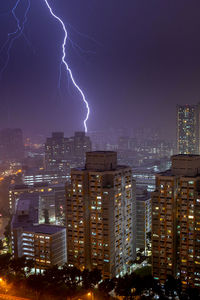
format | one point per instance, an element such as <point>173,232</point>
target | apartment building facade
<point>100,215</point>
<point>176,222</point>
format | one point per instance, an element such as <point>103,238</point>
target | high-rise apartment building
<point>11,144</point>
<point>188,129</point>
<point>100,215</point>
<point>176,221</point>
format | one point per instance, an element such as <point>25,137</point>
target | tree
<point>193,293</point>
<point>71,276</point>
<point>107,286</point>
<point>4,264</point>
<point>147,282</point>
<point>123,286</point>
<point>18,265</point>
<point>53,275</point>
<point>7,233</point>
<point>29,265</point>
<point>170,285</point>
<point>95,277</point>
<point>90,278</point>
<point>1,245</point>
<point>86,279</point>
<point>144,271</point>
<point>36,283</point>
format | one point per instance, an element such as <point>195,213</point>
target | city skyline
<point>100,149</point>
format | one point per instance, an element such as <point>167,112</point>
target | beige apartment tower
<point>176,222</point>
<point>100,215</point>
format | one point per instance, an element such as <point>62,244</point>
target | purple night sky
<point>145,61</point>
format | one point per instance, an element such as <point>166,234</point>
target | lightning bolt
<point>13,36</point>
<point>67,66</point>
<point>78,50</point>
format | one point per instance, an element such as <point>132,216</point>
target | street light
<point>3,285</point>
<point>91,295</point>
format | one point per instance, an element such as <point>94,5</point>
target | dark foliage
<point>60,283</point>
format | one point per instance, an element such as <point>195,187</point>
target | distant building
<point>155,149</point>
<point>52,201</point>
<point>61,152</point>
<point>35,176</point>
<point>188,129</point>
<point>176,222</point>
<point>11,144</point>
<point>82,144</point>
<point>101,215</point>
<point>56,151</point>
<point>100,139</point>
<point>124,143</point>
<point>143,218</point>
<point>44,244</point>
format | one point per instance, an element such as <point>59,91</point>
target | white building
<point>45,244</point>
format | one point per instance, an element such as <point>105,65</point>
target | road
<point>8,297</point>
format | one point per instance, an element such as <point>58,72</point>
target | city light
<point>89,294</point>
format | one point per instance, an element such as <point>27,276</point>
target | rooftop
<point>170,173</point>
<point>185,156</point>
<point>46,229</point>
<point>26,216</point>
<point>101,152</point>
<point>27,210</point>
<point>119,167</point>
<point>24,205</point>
<point>166,173</point>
